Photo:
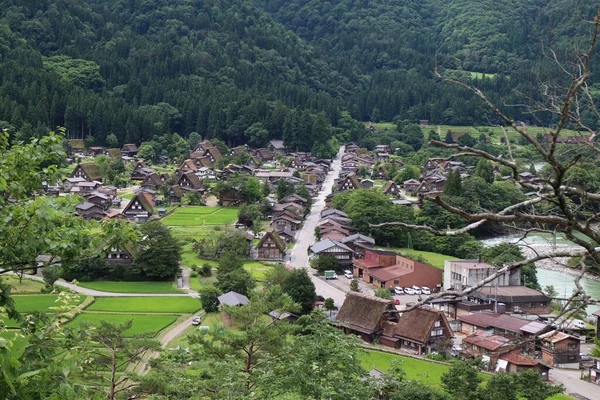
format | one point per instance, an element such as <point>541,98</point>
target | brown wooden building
<point>560,349</point>
<point>419,331</point>
<point>365,315</point>
<point>271,247</point>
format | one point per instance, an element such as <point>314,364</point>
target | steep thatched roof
<point>275,237</point>
<point>91,170</point>
<point>363,312</point>
<point>417,324</point>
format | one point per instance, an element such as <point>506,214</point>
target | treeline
<point>138,69</point>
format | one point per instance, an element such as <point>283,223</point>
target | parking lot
<point>343,283</point>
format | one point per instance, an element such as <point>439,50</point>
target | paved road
<point>573,385</point>
<point>305,238</point>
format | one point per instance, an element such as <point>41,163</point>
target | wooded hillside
<point>233,69</point>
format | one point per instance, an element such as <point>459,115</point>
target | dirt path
<point>179,329</point>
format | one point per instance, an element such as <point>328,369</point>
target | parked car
<point>584,357</point>
<point>348,274</point>
<point>196,321</point>
<point>578,324</point>
<point>409,290</point>
<point>416,289</point>
<point>425,290</point>
<point>398,290</point>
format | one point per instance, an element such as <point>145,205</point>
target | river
<point>563,282</point>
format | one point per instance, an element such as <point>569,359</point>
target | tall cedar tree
<point>161,252</point>
<point>453,186</point>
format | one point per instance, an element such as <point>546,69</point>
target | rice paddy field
<point>40,302</point>
<point>141,323</point>
<point>201,215</point>
<point>131,287</point>
<point>176,305</point>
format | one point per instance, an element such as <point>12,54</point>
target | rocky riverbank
<point>558,264</point>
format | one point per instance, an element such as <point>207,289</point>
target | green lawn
<point>435,259</point>
<point>146,304</point>
<point>141,323</point>
<point>40,302</point>
<point>26,285</point>
<point>127,196</point>
<point>201,215</point>
<point>131,287</point>
<point>426,372</point>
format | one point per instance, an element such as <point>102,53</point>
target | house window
<point>543,305</point>
<point>437,324</point>
<point>532,304</point>
<point>397,281</point>
<point>572,358</point>
<point>474,348</point>
<point>437,332</point>
<point>572,346</point>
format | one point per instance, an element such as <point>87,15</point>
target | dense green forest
<point>298,70</point>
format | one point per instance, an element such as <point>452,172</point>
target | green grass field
<point>127,196</point>
<point>40,302</point>
<point>146,304</point>
<point>131,287</point>
<point>497,132</point>
<point>202,215</point>
<point>424,371</point>
<point>141,323</point>
<point>26,285</point>
<point>435,259</point>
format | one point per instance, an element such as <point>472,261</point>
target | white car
<point>196,321</point>
<point>398,290</point>
<point>348,274</point>
<point>409,290</point>
<point>578,324</point>
<point>416,289</point>
<point>425,290</point>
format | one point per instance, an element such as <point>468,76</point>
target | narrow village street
<point>305,238</point>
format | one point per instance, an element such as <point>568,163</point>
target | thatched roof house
<point>365,315</point>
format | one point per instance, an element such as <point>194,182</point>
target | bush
<point>193,274</point>
<point>206,270</point>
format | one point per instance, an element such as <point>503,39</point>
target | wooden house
<point>334,233</point>
<point>101,199</point>
<point>285,221</point>
<point>118,256</point>
<point>367,183</point>
<point>89,210</point>
<point>383,157</point>
<point>189,182</point>
<point>153,181</point>
<point>113,153</point>
<point>350,182</point>
<point>486,345</point>
<point>391,189</point>
<point>277,147</point>
<point>88,171</point>
<point>140,207</point>
<point>516,362</point>
<point>140,171</point>
<point>328,247</point>
<point>560,349</point>
<point>271,247</point>
<point>359,243</point>
<point>213,154</point>
<point>418,331</point>
<point>176,193</point>
<point>411,186</point>
<point>365,315</point>
<point>287,235</point>
<point>129,150</point>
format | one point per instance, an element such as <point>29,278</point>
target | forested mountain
<point>235,69</point>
